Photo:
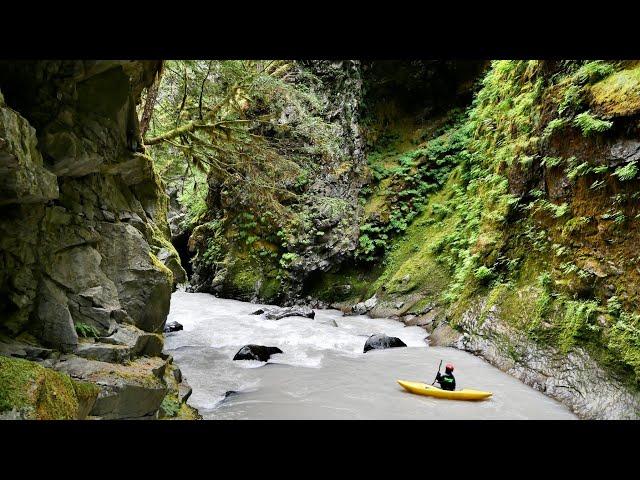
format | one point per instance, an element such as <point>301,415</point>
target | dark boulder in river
<point>256,352</point>
<point>276,313</point>
<point>172,327</point>
<point>378,342</point>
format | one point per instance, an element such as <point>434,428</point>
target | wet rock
<point>382,341</point>
<point>138,341</point>
<point>184,391</point>
<point>371,303</point>
<point>328,321</point>
<point>260,311</point>
<point>296,311</point>
<point>15,348</point>
<point>256,352</point>
<point>624,151</point>
<point>444,336</point>
<point>359,308</point>
<point>425,320</point>
<point>127,259</point>
<point>316,304</point>
<point>362,308</point>
<point>23,178</point>
<point>131,391</point>
<point>573,378</point>
<point>55,325</point>
<point>103,352</point>
<point>409,320</point>
<point>173,327</point>
<point>171,260</point>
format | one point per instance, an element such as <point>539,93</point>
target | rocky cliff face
<point>324,226</point>
<point>573,378</point>
<point>86,268</point>
<point>526,242</point>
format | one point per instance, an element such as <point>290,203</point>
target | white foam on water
<point>323,372</point>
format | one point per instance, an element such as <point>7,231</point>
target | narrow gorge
<point>482,211</point>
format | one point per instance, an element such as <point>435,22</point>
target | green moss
<point>405,176</point>
<point>244,276</point>
<point>577,320</point>
<point>162,267</point>
<point>85,391</point>
<point>140,376</point>
<point>349,284</point>
<point>249,275</point>
<point>37,392</point>
<point>187,412</point>
<point>169,407</point>
<point>411,264</point>
<point>624,341</point>
<point>419,306</point>
<point>618,94</point>
<point>269,288</point>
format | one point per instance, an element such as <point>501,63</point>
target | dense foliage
<point>504,232</point>
<point>246,125</point>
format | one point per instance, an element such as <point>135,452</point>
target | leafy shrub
<point>483,274</point>
<point>624,340</point>
<point>590,124</point>
<point>86,330</point>
<point>627,172</point>
<point>578,319</point>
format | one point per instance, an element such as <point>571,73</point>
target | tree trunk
<point>152,95</point>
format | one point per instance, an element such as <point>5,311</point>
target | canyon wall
<point>86,267</point>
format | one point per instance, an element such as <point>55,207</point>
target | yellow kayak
<point>430,391</point>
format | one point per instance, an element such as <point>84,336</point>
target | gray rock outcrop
<point>86,265</point>
<point>574,379</point>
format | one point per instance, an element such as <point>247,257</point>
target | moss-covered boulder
<point>30,391</point>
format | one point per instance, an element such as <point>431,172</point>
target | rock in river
<point>256,352</point>
<point>172,327</point>
<point>377,342</point>
<point>276,313</point>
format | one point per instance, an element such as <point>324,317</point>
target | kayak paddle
<point>439,366</point>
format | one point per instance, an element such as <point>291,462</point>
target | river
<point>323,373</point>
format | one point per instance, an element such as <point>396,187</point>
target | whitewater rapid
<point>323,373</point>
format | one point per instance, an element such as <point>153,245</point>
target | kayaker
<point>446,381</point>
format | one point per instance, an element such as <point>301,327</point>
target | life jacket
<point>447,381</point>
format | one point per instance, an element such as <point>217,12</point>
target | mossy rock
<point>619,94</point>
<point>36,392</point>
<point>172,409</point>
<point>186,412</point>
<point>169,407</point>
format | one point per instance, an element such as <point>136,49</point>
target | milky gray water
<point>323,373</point>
